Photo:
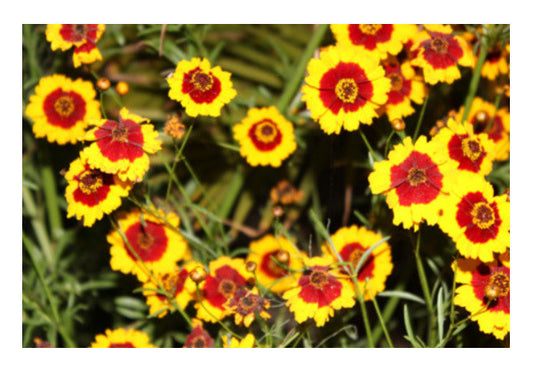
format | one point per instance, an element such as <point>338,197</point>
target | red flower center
<point>93,186</point>
<point>346,90</point>
<point>352,252</point>
<point>222,286</point>
<point>199,338</point>
<point>493,284</point>
<point>121,345</point>
<point>439,45</point>
<point>370,29</point>
<point>417,179</point>
<point>76,33</point>
<point>271,268</point>
<point>480,217</point>
<point>120,140</point>
<point>227,288</point>
<point>441,50</point>
<point>149,242</point>
<point>201,86</point>
<point>91,181</point>
<point>174,282</point>
<point>467,151</point>
<point>369,35</point>
<point>396,81</point>
<point>64,109</point>
<point>319,287</point>
<point>265,135</point>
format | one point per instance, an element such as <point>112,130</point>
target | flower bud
<point>282,256</point>
<point>122,88</point>
<point>251,266</point>
<point>103,83</point>
<point>198,275</point>
<point>398,124</point>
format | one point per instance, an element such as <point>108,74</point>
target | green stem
<point>426,291</point>
<point>50,196</point>
<point>298,73</point>
<point>420,117</point>
<point>368,146</point>
<point>382,323</point>
<point>176,159</point>
<point>472,89</point>
<point>28,244</point>
<point>361,300</point>
<point>38,226</point>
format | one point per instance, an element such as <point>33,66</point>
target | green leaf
<point>440,313</point>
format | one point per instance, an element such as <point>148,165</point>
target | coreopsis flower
<point>61,108</point>
<point>246,342</point>
<point>122,147</point>
<point>496,124</point>
<point>225,277</point>
<point>174,127</point>
<point>153,239</point>
<point>82,37</point>
<point>202,90</point>
<point>177,283</point>
<point>265,136</point>
<point>440,52</point>
<point>414,180</point>
<point>285,193</point>
<point>122,338</point>
<point>466,150</point>
<point>91,193</point>
<point>278,262</point>
<point>381,39</point>
<point>406,86</point>
<point>199,338</point>
<point>485,292</point>
<point>319,292</point>
<point>351,243</point>
<point>344,88</point>
<point>245,304</point>
<point>477,221</point>
<point>496,63</point>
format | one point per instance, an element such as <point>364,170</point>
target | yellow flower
<point>477,221</point>
<point>319,292</point>
<point>265,136</point>
<point>344,88</point>
<point>122,147</point>
<point>485,291</point>
<point>61,108</point>
<point>122,338</point>
<point>157,244</point>
<point>351,243</point>
<point>414,178</point>
<point>271,271</point>
<point>91,193</point>
<point>440,52</point>
<point>202,90</point>
<point>245,304</point>
<point>82,37</point>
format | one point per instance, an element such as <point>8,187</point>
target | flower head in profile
<point>246,304</point>
<point>467,151</point>
<point>61,108</point>
<point>203,90</point>
<point>380,39</point>
<point>484,290</point>
<point>406,87</point>
<point>176,283</point>
<point>440,53</point>
<point>122,338</point>
<point>226,276</point>
<point>122,147</point>
<point>344,88</point>
<point>413,179</point>
<point>82,37</point>
<point>91,193</point>
<point>265,136</point>
<point>247,342</point>
<point>351,243</point>
<point>151,243</point>
<point>484,118</point>
<point>477,221</point>
<point>285,193</point>
<point>319,292</point>
<point>199,337</point>
<point>278,262</point>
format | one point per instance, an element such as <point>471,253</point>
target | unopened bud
<point>251,266</point>
<point>198,275</point>
<point>122,88</point>
<point>277,211</point>
<point>282,256</point>
<point>103,83</point>
<point>398,124</point>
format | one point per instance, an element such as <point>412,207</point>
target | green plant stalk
<point>496,107</point>
<point>427,294</point>
<point>32,39</point>
<point>382,322</point>
<point>298,73</point>
<point>50,197</point>
<point>38,227</point>
<point>474,83</point>
<point>368,146</point>
<point>420,118</point>
<point>68,341</point>
<point>176,159</point>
